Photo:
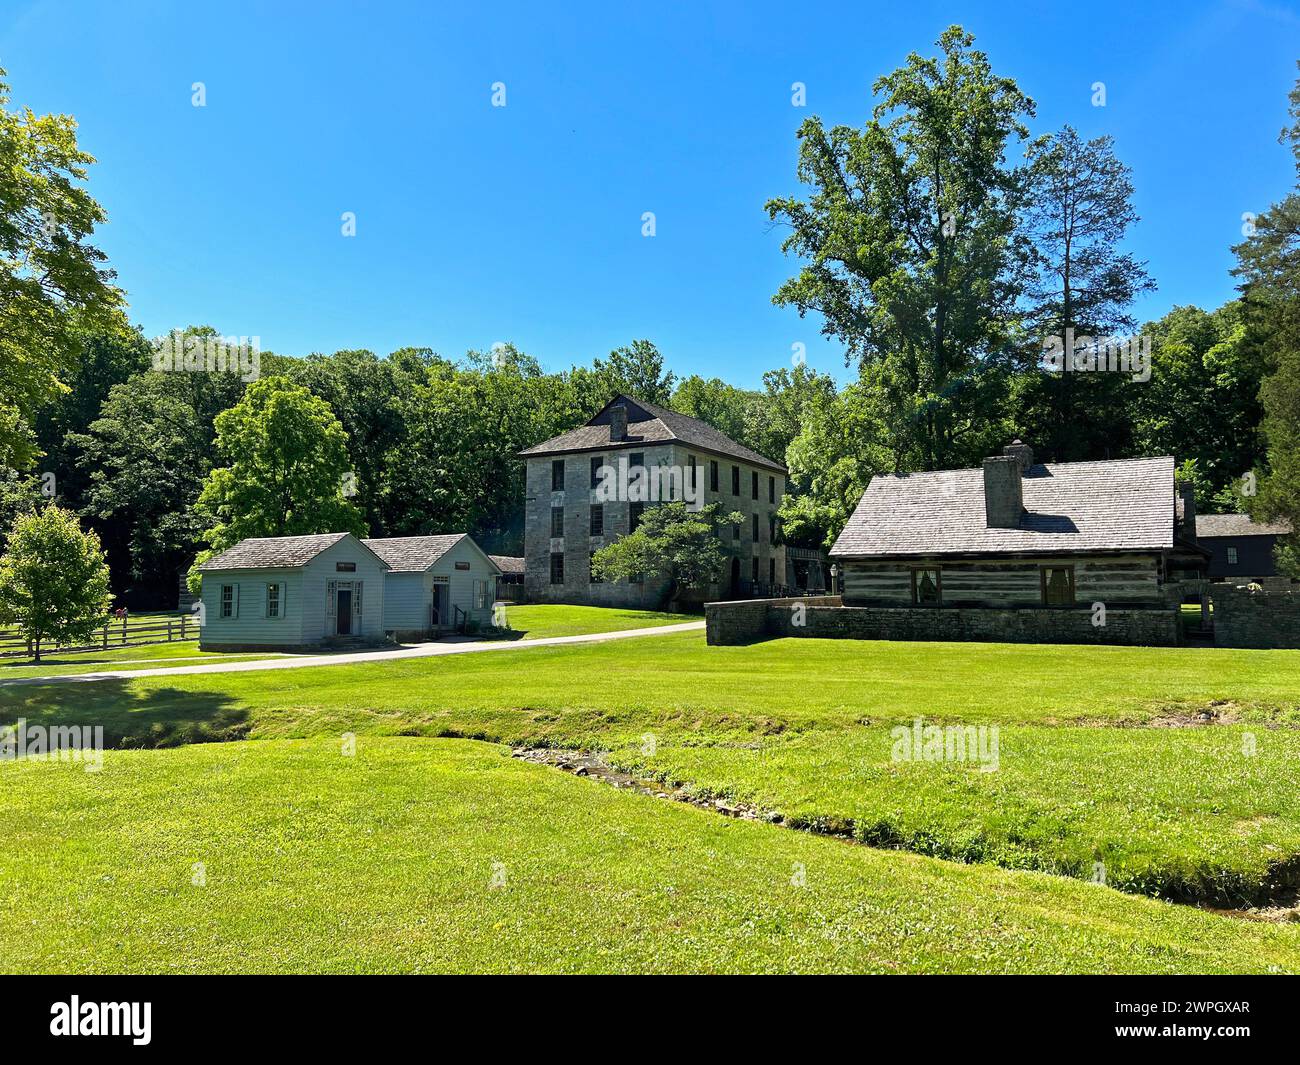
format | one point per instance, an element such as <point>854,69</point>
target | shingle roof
<point>1121,505</point>
<point>1214,525</point>
<point>272,552</point>
<point>413,554</point>
<point>508,563</point>
<point>648,423</point>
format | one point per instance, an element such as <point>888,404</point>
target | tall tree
<point>1269,266</point>
<point>911,247</point>
<point>52,281</point>
<point>53,579</point>
<point>638,370</point>
<point>1078,210</point>
<point>288,475</point>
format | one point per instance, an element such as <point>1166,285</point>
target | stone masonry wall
<point>737,623</point>
<point>1243,618</point>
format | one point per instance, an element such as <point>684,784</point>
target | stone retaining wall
<point>743,622</point>
<point>1243,618</point>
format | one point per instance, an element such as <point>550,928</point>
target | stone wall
<point>823,618</point>
<point>746,620</point>
<point>1243,618</point>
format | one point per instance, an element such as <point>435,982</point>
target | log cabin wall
<point>996,582</point>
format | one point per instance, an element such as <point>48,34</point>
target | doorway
<point>440,607</point>
<point>343,613</point>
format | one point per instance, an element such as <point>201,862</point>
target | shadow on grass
<point>156,717</point>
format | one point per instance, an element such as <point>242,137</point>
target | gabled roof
<point>1215,525</point>
<point>508,563</point>
<point>1070,507</point>
<point>273,552</point>
<point>413,554</point>
<point>648,423</point>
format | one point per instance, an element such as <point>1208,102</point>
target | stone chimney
<point>618,422</point>
<point>1003,495</point>
<point>1187,493</point>
<point>1022,452</point>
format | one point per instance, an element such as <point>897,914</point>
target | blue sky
<point>477,224</point>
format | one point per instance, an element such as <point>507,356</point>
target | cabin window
<point>1232,556</point>
<point>735,480</point>
<point>557,475</point>
<point>1058,585</point>
<point>634,512</point>
<point>771,489</point>
<point>927,587</point>
<point>597,519</point>
<point>557,567</point>
<point>713,476</point>
<point>228,601</point>
<point>345,567</point>
<point>273,600</point>
<point>596,464</point>
<point>557,521</point>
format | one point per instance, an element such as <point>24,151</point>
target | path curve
<point>342,658</point>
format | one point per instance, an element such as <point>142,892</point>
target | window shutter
<point>356,596</point>
<point>266,600</point>
<point>331,589</point>
<point>236,610</point>
<point>284,595</point>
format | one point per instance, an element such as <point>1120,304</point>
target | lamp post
<point>835,573</point>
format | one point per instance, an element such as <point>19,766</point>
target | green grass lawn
<point>384,862</point>
<point>538,622</point>
<point>802,727</point>
<point>142,656</point>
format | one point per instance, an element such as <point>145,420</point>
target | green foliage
<point>51,278</point>
<point>53,579</point>
<point>637,370</point>
<point>910,246</point>
<point>287,474</point>
<point>681,544</point>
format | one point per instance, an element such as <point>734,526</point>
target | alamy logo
<point>953,743</point>
<point>650,484</point>
<point>132,1019</point>
<point>64,743</point>
<point>181,353</point>
<point>1085,354</point>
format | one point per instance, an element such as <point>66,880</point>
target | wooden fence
<point>124,633</point>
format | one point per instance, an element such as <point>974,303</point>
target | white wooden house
<point>435,584</point>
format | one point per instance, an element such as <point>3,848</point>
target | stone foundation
<point>825,618</point>
<point>1243,618</point>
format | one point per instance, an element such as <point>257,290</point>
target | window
<point>273,600</point>
<point>557,567</point>
<point>755,517</point>
<point>591,568</point>
<point>713,476</point>
<point>345,567</point>
<point>557,521</point>
<point>557,475</point>
<point>735,480</point>
<point>462,565</point>
<point>771,571</point>
<point>771,527</point>
<point>596,464</point>
<point>228,601</point>
<point>1232,556</point>
<point>735,532</point>
<point>753,484</point>
<point>597,519</point>
<point>634,512</point>
<point>754,570</point>
<point>693,475</point>
<point>1058,585</point>
<point>771,489</point>
<point>634,460</point>
<point>927,587</point>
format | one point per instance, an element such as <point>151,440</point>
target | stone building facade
<point>566,522</point>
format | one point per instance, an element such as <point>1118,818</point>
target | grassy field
<point>144,656</point>
<point>287,856</point>
<point>540,622</point>
<point>802,727</point>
